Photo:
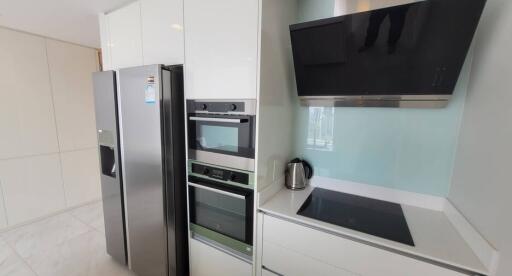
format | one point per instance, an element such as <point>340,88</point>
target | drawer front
<point>290,263</point>
<point>345,254</point>
<point>207,261</point>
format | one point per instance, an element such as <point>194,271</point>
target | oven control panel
<point>216,107</point>
<point>238,107</point>
<point>221,173</point>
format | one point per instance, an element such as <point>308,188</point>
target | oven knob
<point>204,106</point>
<point>233,107</point>
<point>206,171</point>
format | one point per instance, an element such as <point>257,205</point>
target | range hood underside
<point>393,101</point>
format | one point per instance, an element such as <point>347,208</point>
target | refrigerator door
<point>111,180</point>
<point>141,139</point>
<point>175,169</point>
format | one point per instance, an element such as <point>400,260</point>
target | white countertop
<point>435,237</point>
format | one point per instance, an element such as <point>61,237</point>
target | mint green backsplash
<point>406,149</point>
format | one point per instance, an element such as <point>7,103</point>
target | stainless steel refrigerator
<point>141,136</point>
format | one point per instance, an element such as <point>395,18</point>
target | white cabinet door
<point>105,42</point>
<point>208,261</point>
<point>125,36</point>
<point>283,240</point>
<point>162,31</point>
<point>221,49</point>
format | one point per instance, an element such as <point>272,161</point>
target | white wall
<point>48,155</point>
<point>277,98</point>
<point>481,184</point>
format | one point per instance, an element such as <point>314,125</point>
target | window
<point>321,128</point>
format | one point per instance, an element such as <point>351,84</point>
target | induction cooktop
<point>371,216</point>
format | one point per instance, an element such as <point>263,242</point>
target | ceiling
<point>69,20</point>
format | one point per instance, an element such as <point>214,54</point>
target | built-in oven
<point>221,207</point>
<point>222,132</point>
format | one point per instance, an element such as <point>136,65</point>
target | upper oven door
<point>226,140</point>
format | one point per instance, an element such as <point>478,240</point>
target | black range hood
<point>402,56</point>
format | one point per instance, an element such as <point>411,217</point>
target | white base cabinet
<point>208,261</point>
<point>292,249</point>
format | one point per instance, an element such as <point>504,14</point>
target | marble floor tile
<point>83,255</point>
<point>11,264</point>
<point>92,215</point>
<point>35,238</point>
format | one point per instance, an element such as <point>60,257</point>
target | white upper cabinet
<point>125,39</point>
<point>221,49</point>
<point>162,31</point>
<point>106,60</point>
<point>144,32</point>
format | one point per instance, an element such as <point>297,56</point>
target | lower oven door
<point>223,215</point>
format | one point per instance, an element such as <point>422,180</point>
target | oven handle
<point>216,191</point>
<point>220,120</point>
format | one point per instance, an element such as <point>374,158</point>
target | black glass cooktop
<point>371,216</point>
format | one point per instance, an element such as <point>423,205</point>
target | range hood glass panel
<point>412,49</point>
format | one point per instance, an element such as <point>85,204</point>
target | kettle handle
<point>309,169</point>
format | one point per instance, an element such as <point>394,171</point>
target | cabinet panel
<point>3,215</point>
<point>221,48</point>
<point>207,261</point>
<point>105,42</point>
<point>71,69</point>
<point>162,31</point>
<point>279,259</point>
<point>32,187</point>
<point>125,36</point>
<point>27,123</point>
<point>348,255</point>
<point>80,172</point>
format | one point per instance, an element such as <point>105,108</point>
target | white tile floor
<point>68,244</point>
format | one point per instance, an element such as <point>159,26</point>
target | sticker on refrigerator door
<point>149,90</point>
<point>150,93</point>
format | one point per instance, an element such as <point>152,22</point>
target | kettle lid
<point>307,167</point>
<point>296,160</point>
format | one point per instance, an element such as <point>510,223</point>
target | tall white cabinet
<point>125,42</point>
<point>221,49</point>
<point>162,31</point>
<point>142,33</point>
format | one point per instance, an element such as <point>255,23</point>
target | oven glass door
<point>224,134</point>
<point>222,209</point>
